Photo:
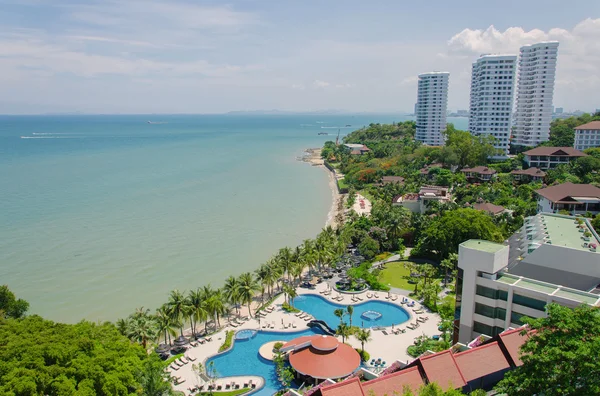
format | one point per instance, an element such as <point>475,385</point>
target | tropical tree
<point>232,292</point>
<point>122,325</point>
<point>10,305</point>
<point>560,356</point>
<point>285,259</point>
<point>177,306</point>
<point>198,308</point>
<point>217,305</point>
<point>206,293</point>
<point>165,324</point>
<point>343,330</point>
<point>350,310</point>
<point>363,336</point>
<point>340,314</point>
<point>448,264</point>
<point>141,327</point>
<point>153,378</point>
<point>248,287</point>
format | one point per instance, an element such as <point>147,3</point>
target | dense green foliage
<point>40,357</point>
<point>10,306</point>
<point>561,358</point>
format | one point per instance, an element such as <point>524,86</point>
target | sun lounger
<point>418,311</point>
<point>387,297</point>
<point>307,318</point>
<point>219,387</point>
<point>394,298</point>
<point>419,319</point>
<point>179,363</point>
<point>174,367</point>
<point>294,325</point>
<point>233,324</point>
<point>265,325</point>
<point>208,339</point>
<point>184,360</point>
<point>201,341</point>
<point>200,388</point>
<point>376,295</point>
<point>192,359</point>
<point>237,386</point>
<point>299,314</point>
<point>245,318</point>
<point>178,381</point>
<point>227,386</point>
<point>384,332</point>
<point>245,384</point>
<point>410,326</point>
<point>193,343</point>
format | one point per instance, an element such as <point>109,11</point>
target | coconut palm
<point>165,324</point>
<point>350,310</point>
<point>141,327</point>
<point>448,264</point>
<point>308,254</point>
<point>285,259</point>
<point>197,307</point>
<point>207,292</point>
<point>290,294</point>
<point>340,314</point>
<point>177,306</point>
<point>248,287</point>
<point>217,305</point>
<point>232,292</point>
<point>343,330</point>
<point>363,335</point>
<point>122,325</point>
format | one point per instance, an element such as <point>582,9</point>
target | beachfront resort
<point>306,339</point>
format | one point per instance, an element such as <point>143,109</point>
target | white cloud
<point>320,84</point>
<point>578,66</point>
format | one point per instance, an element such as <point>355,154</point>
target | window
<point>487,330</point>
<point>515,317</point>
<point>491,293</point>
<point>529,302</point>
<point>490,312</point>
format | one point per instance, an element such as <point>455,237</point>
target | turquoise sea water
<point>103,214</point>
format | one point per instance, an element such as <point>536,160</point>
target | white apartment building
<point>492,86</point>
<point>430,110</point>
<point>535,89</point>
<point>587,135</point>
<point>549,260</point>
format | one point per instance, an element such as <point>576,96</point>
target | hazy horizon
<point>183,57</point>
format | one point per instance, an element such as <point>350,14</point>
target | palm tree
<point>177,306</point>
<point>122,325</point>
<point>340,314</point>
<point>449,264</point>
<point>350,310</point>
<point>363,335</point>
<point>285,260</point>
<point>165,324</point>
<point>154,379</point>
<point>232,292</point>
<point>141,328</point>
<point>343,330</point>
<point>217,305</point>
<point>207,292</point>
<point>197,307</point>
<point>248,287</point>
<point>291,292</point>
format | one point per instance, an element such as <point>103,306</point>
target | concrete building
<point>550,157</point>
<point>479,173</point>
<point>548,260</point>
<point>559,110</point>
<point>529,174</point>
<point>535,89</point>
<point>575,198</point>
<point>432,103</point>
<point>492,86</point>
<point>587,135</point>
<point>418,202</point>
<point>357,149</point>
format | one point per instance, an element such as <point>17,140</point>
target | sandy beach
<point>335,216</point>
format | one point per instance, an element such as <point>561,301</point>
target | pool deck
<point>389,347</point>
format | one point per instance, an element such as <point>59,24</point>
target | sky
<point>179,56</point>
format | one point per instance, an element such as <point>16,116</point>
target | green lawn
<point>228,393</point>
<point>395,275</point>
<point>342,184</point>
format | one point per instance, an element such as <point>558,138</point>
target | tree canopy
<point>562,131</point>
<point>560,357</point>
<point>41,357</point>
<point>10,306</point>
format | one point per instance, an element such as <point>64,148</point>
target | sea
<point>102,214</point>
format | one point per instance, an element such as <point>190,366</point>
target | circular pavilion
<point>316,358</point>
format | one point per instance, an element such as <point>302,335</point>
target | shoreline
<point>335,216</point>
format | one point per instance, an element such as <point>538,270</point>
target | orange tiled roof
<point>396,382</point>
<point>481,361</point>
<point>442,369</point>
<point>512,341</point>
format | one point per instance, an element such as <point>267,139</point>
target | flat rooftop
<point>563,231</point>
<point>484,246</point>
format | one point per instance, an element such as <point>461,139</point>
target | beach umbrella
<point>162,349</point>
<point>181,341</point>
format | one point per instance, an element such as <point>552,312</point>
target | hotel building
<point>430,110</point>
<point>492,86</point>
<point>537,71</point>
<point>552,258</point>
<point>587,135</point>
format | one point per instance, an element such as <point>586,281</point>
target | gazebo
<point>316,358</point>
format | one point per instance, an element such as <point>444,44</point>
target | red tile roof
<point>351,387</point>
<point>590,125</point>
<point>533,171</point>
<point>512,341</point>
<point>325,357</point>
<point>489,207</point>
<point>441,368</point>
<point>481,361</point>
<point>564,193</point>
<point>397,382</point>
<point>556,151</point>
<point>482,170</point>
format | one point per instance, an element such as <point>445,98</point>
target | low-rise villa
<point>529,174</point>
<point>494,210</point>
<point>479,173</point>
<point>574,198</point>
<point>551,157</point>
<point>357,149</point>
<point>417,202</point>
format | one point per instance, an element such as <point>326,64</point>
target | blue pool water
<point>244,359</point>
<point>322,309</point>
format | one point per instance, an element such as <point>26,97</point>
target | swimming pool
<point>244,359</point>
<point>323,309</point>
